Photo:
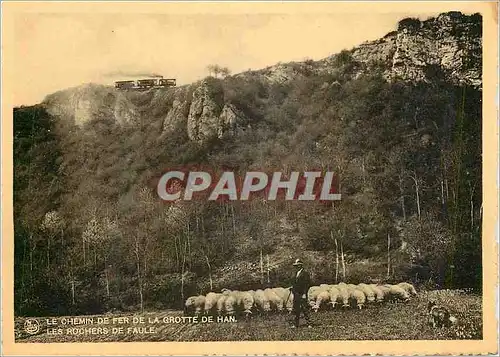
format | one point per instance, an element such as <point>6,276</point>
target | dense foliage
<point>91,234</point>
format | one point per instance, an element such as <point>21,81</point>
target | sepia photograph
<point>229,172</point>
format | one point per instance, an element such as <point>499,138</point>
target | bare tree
<point>52,224</point>
<point>206,244</point>
<point>91,235</point>
<point>210,69</point>
<point>261,267</point>
<point>336,259</point>
<point>268,269</point>
<point>415,179</point>
<point>99,234</point>
<point>343,260</point>
<point>402,194</point>
<point>217,70</point>
<point>388,254</point>
<point>213,69</point>
<point>224,72</point>
<point>138,268</point>
<point>209,272</point>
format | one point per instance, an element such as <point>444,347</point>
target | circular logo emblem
<point>31,326</point>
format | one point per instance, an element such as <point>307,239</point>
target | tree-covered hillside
<point>92,235</point>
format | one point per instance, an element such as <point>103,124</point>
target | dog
<point>439,316</point>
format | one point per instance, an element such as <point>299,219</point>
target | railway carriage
<point>146,83</point>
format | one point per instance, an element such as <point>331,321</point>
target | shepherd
<point>301,284</point>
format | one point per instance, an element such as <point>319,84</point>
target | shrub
<point>343,57</point>
<point>409,23</point>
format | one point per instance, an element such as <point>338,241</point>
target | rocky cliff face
<point>199,108</point>
<point>178,112</point>
<point>447,47</point>
<point>209,117</point>
<point>89,102</point>
<point>203,121</point>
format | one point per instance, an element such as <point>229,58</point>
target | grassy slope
<point>387,322</point>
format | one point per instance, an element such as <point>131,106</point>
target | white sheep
<point>199,305</point>
<point>247,302</point>
<point>276,303</point>
<point>379,294</point>
<point>286,297</point>
<point>334,295</point>
<point>358,297</point>
<point>261,301</point>
<point>230,305</point>
<point>368,291</point>
<point>325,286</point>
<point>322,299</point>
<point>221,304</point>
<point>189,305</point>
<point>211,302</point>
<point>343,296</point>
<point>251,292</point>
<point>312,294</point>
<point>351,286</point>
<point>398,293</point>
<point>238,299</point>
<point>409,288</point>
<point>281,292</point>
<point>386,290</point>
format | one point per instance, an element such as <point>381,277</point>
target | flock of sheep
<point>231,302</point>
<point>324,296</point>
<point>348,295</point>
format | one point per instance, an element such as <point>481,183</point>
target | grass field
<point>386,322</point>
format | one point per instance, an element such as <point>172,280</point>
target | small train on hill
<point>144,84</point>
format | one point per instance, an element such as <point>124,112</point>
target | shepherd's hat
<point>298,262</point>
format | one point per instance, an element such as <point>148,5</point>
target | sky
<point>54,51</point>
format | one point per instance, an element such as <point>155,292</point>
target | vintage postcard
<point>233,178</point>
